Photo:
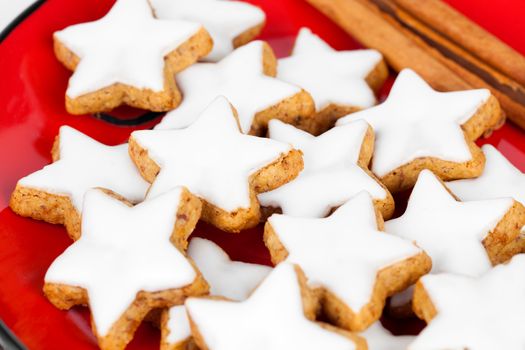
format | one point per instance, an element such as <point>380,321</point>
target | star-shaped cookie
<point>128,57</point>
<point>230,23</point>
<point>234,280</point>
<point>460,237</point>
<point>55,193</point>
<point>278,315</point>
<point>127,263</point>
<point>217,163</point>
<point>482,313</point>
<point>379,338</point>
<point>418,127</point>
<point>353,264</point>
<point>340,82</point>
<point>335,169</point>
<point>500,178</point>
<point>246,79</point>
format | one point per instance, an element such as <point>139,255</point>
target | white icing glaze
<point>451,232</point>
<point>476,314</point>
<point>239,77</point>
<point>231,279</point>
<point>84,164</point>
<point>126,46</point>
<point>379,338</point>
<point>212,158</point>
<point>271,319</point>
<point>499,179</point>
<point>403,298</point>
<point>343,252</point>
<point>234,280</point>
<point>417,121</point>
<point>122,250</point>
<point>330,76</point>
<point>331,174</point>
<point>178,325</point>
<point>224,20</point>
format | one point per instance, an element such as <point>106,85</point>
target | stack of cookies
<point>297,145</point>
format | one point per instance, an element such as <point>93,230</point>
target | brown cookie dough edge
<point>106,99</point>
<point>65,296</point>
<point>405,176</point>
<point>311,307</point>
<point>49,207</point>
<point>185,344</point>
<point>248,35</point>
<point>297,109</point>
<point>386,205</point>
<point>422,303</point>
<point>389,281</point>
<point>274,175</point>
<point>506,239</point>
<point>326,118</point>
<point>487,118</point>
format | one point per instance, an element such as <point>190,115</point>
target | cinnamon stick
<point>467,66</point>
<point>368,26</point>
<point>407,41</point>
<point>453,25</point>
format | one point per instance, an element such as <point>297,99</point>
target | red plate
<point>32,86</point>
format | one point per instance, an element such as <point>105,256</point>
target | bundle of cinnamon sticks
<point>443,46</point>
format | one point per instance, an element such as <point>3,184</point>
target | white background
<point>9,9</point>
